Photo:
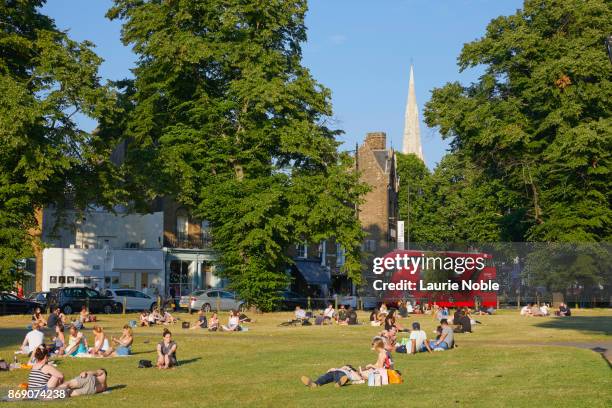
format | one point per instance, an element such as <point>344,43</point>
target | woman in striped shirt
<point>43,376</point>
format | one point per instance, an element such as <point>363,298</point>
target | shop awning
<point>313,272</point>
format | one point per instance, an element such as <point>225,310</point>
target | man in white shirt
<point>33,339</point>
<point>300,314</point>
<point>329,312</point>
<point>418,340</point>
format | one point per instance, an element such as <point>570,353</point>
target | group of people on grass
<point>347,374</point>
<point>345,315</point>
<point>45,376</point>
<point>234,322</point>
<point>533,310</point>
<point>75,343</point>
<point>156,316</point>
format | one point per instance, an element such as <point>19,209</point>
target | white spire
<point>412,133</point>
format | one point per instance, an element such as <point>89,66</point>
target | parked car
<point>71,300</point>
<point>39,297</point>
<point>11,304</point>
<point>135,299</point>
<point>212,299</point>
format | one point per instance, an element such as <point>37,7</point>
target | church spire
<point>412,134</point>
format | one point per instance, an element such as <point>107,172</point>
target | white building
<point>103,268</point>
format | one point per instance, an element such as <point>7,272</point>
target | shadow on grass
<point>593,324</point>
<point>191,360</point>
<point>116,387</point>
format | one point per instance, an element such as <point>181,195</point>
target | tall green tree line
<point>224,117</point>
<point>45,80</point>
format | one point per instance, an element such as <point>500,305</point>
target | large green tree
<point>538,121</point>
<point>45,80</point>
<point>231,123</point>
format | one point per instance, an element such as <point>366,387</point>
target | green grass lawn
<point>509,361</point>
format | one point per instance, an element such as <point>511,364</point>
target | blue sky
<point>360,49</point>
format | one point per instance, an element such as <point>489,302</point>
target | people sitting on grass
<point>59,341</point>
<point>391,323</point>
<point>462,322</point>
<point>417,342</point>
<point>320,319</point>
<point>383,359</point>
<point>154,317</point>
<point>202,323</point>
<point>144,318</point>
<point>535,310</point>
<point>166,351</point>
<point>447,337</point>
<point>328,313</point>
<point>341,317</point>
<point>33,339</point>
<point>77,343</point>
<point>87,383</point>
<point>101,346</point>
<point>233,323</point>
<point>351,316</point>
<point>544,309</point>
<point>213,323</point>
<point>339,376</point>
<point>122,346</point>
<point>564,310</point>
<point>38,318</point>
<point>300,314</point>
<point>85,316</point>
<point>442,313</point>
<point>374,321</point>
<point>54,318</point>
<point>525,310</point>
<point>43,376</point>
<point>167,318</point>
<point>383,309</point>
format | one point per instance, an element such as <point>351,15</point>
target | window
<point>213,294</point>
<point>370,245</point>
<point>53,279</point>
<point>302,250</point>
<point>226,295</point>
<point>121,293</point>
<point>205,228</point>
<point>87,281</point>
<point>91,293</point>
<point>62,279</point>
<point>70,279</point>
<point>340,255</point>
<point>182,225</point>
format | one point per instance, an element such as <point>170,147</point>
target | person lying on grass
<point>339,376</point>
<point>201,323</point>
<point>87,383</point>
<point>122,346</point>
<point>43,376</point>
<point>166,351</point>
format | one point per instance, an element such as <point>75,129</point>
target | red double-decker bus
<point>453,298</point>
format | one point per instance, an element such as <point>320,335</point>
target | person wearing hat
<point>418,340</point>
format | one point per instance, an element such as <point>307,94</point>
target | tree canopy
<point>227,120</point>
<point>45,80</point>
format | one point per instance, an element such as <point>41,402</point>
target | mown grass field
<point>509,361</point>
